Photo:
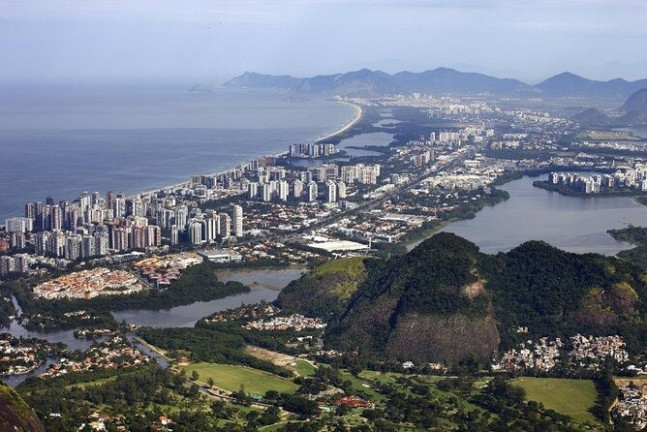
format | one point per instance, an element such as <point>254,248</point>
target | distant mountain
<point>363,82</point>
<point>446,301</point>
<point>635,108</point>
<point>591,115</point>
<point>369,83</point>
<point>255,80</point>
<point>444,80</point>
<point>570,85</point>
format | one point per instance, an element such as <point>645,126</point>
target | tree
<point>195,375</point>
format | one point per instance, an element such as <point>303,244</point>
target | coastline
<point>358,116</point>
<point>148,190</point>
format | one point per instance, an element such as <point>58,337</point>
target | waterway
<point>639,131</point>
<point>363,140</point>
<point>574,224</point>
<point>271,278</point>
<point>266,284</point>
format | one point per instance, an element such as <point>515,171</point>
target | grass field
<point>572,397</point>
<point>231,378</point>
<point>303,368</point>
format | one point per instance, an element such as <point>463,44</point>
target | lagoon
<point>574,224</point>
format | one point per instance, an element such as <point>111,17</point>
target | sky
<point>210,41</point>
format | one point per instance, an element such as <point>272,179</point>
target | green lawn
<point>230,377</point>
<point>572,397</point>
<point>352,266</point>
<point>304,368</point>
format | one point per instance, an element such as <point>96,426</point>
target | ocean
<point>62,141</point>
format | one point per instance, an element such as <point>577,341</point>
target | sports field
<point>572,397</point>
<point>231,378</point>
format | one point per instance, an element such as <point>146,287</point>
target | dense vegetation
<point>556,293</point>
<point>6,306</point>
<point>445,301</point>
<point>428,305</point>
<point>207,345</point>
<point>636,236</point>
<point>132,399</point>
<point>325,291</point>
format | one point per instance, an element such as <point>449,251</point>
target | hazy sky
<point>211,41</point>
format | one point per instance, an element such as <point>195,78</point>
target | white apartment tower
<point>237,219</point>
<point>331,191</point>
<point>297,188</point>
<point>313,191</point>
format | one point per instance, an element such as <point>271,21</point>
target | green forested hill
<point>325,291</point>
<point>445,301</point>
<point>429,305</point>
<point>556,293</point>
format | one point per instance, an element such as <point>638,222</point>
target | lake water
<point>60,142</point>
<point>265,283</point>
<point>573,224</point>
<point>270,278</point>
<point>187,316</point>
<point>369,139</point>
<point>639,131</point>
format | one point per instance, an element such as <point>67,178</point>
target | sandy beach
<point>355,119</point>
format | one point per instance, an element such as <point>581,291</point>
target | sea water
<point>61,141</point>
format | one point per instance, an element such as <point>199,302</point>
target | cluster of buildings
<point>542,355</point>
<point>114,353</point>
<point>89,226</point>
<point>18,263</point>
<point>635,178</point>
<point>590,351</point>
<point>250,312</point>
<point>632,404</point>
<point>312,150</point>
<point>162,270</point>
<point>88,284</point>
<point>586,352</point>
<point>296,322</point>
<point>21,356</point>
<point>327,183</point>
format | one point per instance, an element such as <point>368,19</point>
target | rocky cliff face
<point>15,414</point>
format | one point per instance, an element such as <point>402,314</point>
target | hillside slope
<point>15,414</point>
<point>325,291</point>
<point>430,305</point>
<point>446,301</point>
<point>635,107</point>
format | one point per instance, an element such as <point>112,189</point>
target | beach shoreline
<point>359,112</point>
<point>149,190</point>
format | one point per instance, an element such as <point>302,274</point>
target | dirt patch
<point>274,357</point>
<point>473,290</point>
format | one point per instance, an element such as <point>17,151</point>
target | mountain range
<point>368,83</point>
